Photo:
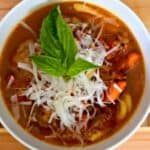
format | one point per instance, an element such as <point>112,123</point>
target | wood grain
<point>7,4</point>
<point>3,12</point>
<point>8,143</point>
<point>141,140</point>
<point>141,8</point>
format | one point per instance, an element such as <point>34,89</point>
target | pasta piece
<point>122,111</point>
<point>86,9</point>
<point>128,100</point>
<point>95,136</point>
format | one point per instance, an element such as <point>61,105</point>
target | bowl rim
<point>114,143</point>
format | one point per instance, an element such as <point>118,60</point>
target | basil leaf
<point>57,42</point>
<point>49,65</point>
<point>79,66</point>
<point>66,38</point>
<point>52,20</point>
<point>48,36</point>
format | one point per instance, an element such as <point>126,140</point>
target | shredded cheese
<point>27,27</point>
<point>56,93</point>
<point>69,100</point>
<point>11,81</point>
<point>117,88</point>
<point>25,66</point>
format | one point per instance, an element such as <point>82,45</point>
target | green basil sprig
<point>59,47</point>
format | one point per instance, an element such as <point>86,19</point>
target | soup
<point>72,74</point>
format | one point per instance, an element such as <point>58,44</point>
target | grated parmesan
<point>69,100</point>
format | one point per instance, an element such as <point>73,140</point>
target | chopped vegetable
<point>130,62</point>
<point>133,59</point>
<point>114,90</point>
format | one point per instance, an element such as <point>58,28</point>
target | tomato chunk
<point>114,90</point>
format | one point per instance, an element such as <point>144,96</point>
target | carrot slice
<point>131,60</point>
<point>115,90</point>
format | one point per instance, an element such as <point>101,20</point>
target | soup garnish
<point>60,49</point>
<point>74,84</point>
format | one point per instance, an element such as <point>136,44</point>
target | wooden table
<point>141,140</point>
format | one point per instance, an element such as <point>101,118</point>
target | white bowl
<point>143,37</point>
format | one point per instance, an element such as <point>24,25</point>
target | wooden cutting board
<point>141,140</point>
